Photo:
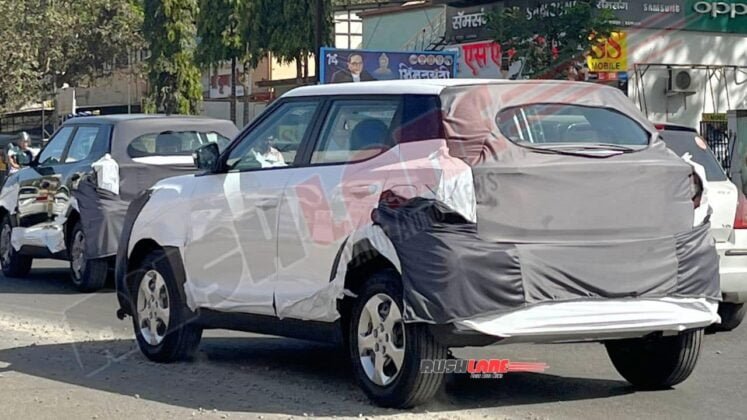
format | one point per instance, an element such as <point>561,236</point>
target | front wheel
<point>14,264</point>
<point>658,362</point>
<point>87,275</point>
<point>163,323</point>
<point>386,353</point>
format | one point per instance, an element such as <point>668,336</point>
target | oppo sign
<point>721,8</point>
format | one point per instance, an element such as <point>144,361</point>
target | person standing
<point>18,153</point>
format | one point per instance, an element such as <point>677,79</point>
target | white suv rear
<point>408,217</point>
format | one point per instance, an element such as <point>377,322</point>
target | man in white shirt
<point>268,156</point>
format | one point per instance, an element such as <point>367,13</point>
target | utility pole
<point>318,22</point>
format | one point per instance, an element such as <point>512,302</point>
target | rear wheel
<point>162,321</point>
<point>658,362</point>
<point>87,275</point>
<point>387,353</point>
<point>732,315</point>
<point>14,264</point>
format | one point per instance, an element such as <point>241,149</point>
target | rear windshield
<point>173,143</point>
<point>682,142</point>
<point>569,124</point>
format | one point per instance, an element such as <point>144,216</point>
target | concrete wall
<point>687,48</point>
<point>406,30</point>
<point>112,90</point>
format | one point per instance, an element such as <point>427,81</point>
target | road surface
<point>64,354</point>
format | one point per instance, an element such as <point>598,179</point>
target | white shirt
<point>271,159</point>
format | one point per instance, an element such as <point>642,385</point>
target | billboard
<point>341,66</point>
<point>470,23</point>
<point>484,60</point>
<point>611,55</point>
<point>219,83</point>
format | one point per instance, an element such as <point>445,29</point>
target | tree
<point>45,43</point>
<point>220,39</point>
<point>170,30</point>
<point>555,38</point>
<point>291,30</point>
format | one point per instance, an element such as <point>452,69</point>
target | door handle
<point>267,203</point>
<point>361,191</point>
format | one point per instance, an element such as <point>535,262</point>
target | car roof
<point>118,118</point>
<point>406,87</point>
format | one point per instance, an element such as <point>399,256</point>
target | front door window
<point>275,142</point>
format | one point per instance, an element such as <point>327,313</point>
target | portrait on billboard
<point>346,66</point>
<point>355,71</point>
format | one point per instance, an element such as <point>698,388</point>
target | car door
<point>231,251</point>
<point>37,183</point>
<point>45,192</point>
<point>89,143</point>
<point>331,197</point>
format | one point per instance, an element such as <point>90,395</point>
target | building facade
<point>680,61</point>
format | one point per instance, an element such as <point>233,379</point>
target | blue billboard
<point>343,66</point>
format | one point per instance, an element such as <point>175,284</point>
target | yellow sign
<point>713,117</point>
<point>611,55</point>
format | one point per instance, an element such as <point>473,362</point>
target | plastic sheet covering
<point>550,227</point>
<point>48,235</point>
<point>569,319</point>
<point>102,216</point>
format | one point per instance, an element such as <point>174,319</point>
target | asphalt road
<point>63,354</point>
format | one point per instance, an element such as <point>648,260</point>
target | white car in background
<point>728,222</point>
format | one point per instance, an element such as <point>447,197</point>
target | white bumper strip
<point>587,319</point>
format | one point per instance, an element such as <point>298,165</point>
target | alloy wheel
<point>77,254</point>
<point>5,244</point>
<point>153,306</point>
<point>381,339</point>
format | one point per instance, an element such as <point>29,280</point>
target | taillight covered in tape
<point>696,189</point>
<point>740,220</point>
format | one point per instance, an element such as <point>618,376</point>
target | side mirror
<point>206,157</point>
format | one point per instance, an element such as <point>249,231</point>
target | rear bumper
<point>733,272</point>
<point>595,320</point>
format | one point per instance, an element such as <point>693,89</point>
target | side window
<point>52,153</point>
<point>276,140</point>
<point>356,130</point>
<point>82,144</point>
<point>173,143</point>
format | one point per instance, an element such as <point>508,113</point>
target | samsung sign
<point>719,9</point>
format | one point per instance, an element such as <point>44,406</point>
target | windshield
<point>543,125</point>
<point>682,142</point>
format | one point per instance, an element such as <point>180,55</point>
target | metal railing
<point>716,134</point>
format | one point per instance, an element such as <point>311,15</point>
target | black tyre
<point>385,352</point>
<point>732,315</point>
<point>163,323</point>
<point>658,362</point>
<point>87,275</point>
<point>14,264</point>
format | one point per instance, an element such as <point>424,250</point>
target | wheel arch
<point>367,256</point>
<point>4,212</point>
<point>73,218</point>
<point>140,251</point>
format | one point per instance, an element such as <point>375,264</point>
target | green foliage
<point>218,32</point>
<point>285,28</point>
<point>44,43</point>
<point>170,29</point>
<point>552,41</point>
